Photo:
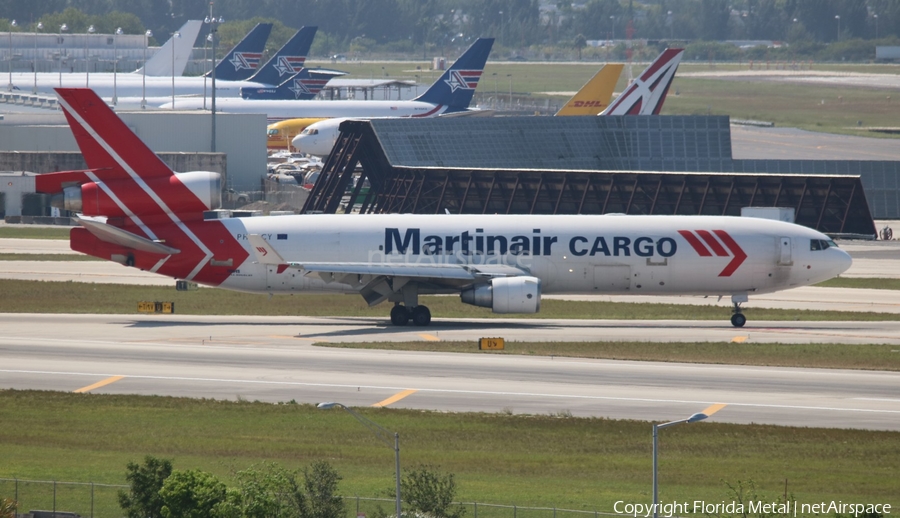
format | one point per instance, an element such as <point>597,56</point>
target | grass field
<point>33,232</point>
<point>832,109</point>
<point>539,460</point>
<point>834,356</point>
<point>69,297</point>
<point>47,257</point>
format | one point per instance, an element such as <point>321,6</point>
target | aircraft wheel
<point>421,316</point>
<point>738,320</point>
<point>399,315</point>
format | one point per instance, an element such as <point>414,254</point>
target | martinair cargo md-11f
<point>135,211</point>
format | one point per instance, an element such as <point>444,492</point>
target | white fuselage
<point>318,138</point>
<point>569,254</point>
<point>280,110</point>
<point>131,85</point>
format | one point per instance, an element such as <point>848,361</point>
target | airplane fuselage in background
<point>281,110</point>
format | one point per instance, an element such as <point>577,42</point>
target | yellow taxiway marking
<point>396,397</point>
<point>714,408</point>
<point>739,339</point>
<point>430,338</point>
<point>99,384</point>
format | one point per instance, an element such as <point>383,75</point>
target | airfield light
<point>382,434</point>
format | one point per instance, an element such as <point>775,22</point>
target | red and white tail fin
<point>133,208</point>
<point>645,96</point>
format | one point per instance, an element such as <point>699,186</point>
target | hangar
<point>587,165</point>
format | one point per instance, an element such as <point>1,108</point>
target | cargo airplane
<point>135,211</point>
<point>451,93</point>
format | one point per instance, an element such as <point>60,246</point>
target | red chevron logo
<point>706,245</point>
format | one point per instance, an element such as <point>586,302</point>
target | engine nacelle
<point>93,199</point>
<point>506,295</point>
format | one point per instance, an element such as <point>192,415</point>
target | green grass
<point>540,460</point>
<point>32,232</point>
<point>832,356</point>
<point>68,297</point>
<point>871,283</point>
<point>790,105</point>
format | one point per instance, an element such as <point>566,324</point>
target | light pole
<point>382,434</point>
<point>838,18</point>
<point>175,37</point>
<point>59,39</point>
<point>693,419</point>
<point>209,38</point>
<point>671,23</point>
<point>38,27</point>
<point>115,98</point>
<point>500,39</point>
<point>874,15</point>
<point>11,25</point>
<point>214,30</point>
<point>509,76</point>
<point>87,59</point>
<point>147,36</point>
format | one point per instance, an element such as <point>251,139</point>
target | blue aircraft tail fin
<point>456,86</point>
<point>288,60</point>
<point>305,84</point>
<point>244,58</point>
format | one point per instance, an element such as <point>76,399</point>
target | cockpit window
<point>821,244</point>
<point>310,131</point>
<point>272,132</point>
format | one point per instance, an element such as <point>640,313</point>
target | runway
<point>271,359</point>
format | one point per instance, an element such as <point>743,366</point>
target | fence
<point>89,499</point>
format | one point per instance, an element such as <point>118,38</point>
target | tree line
<point>429,26</point>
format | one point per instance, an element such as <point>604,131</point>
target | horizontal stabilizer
<point>117,236</point>
<point>265,254</point>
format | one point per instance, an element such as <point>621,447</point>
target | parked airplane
<point>305,84</point>
<point>287,61</point>
<point>132,88</point>
<point>452,92</point>
<point>135,211</point>
<point>244,59</point>
<point>596,94</point>
<point>645,96</point>
<point>318,137</point>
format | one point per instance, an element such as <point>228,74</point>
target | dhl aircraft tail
<point>596,94</point>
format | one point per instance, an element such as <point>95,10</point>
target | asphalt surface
<point>271,359</point>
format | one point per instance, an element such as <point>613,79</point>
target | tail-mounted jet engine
<point>93,199</point>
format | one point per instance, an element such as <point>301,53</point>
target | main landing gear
<point>401,315</point>
<point>737,317</point>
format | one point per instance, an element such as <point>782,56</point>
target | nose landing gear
<point>737,317</point>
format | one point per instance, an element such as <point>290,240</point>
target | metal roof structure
<point>581,165</point>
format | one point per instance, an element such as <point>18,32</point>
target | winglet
<point>288,60</point>
<point>456,86</point>
<point>596,94</point>
<point>647,93</point>
<point>265,254</point>
<point>243,60</point>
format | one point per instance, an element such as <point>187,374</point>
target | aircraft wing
<point>386,277</point>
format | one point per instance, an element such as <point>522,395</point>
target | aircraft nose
<point>842,261</point>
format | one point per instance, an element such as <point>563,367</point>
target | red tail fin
<point>103,138</point>
<point>646,94</point>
